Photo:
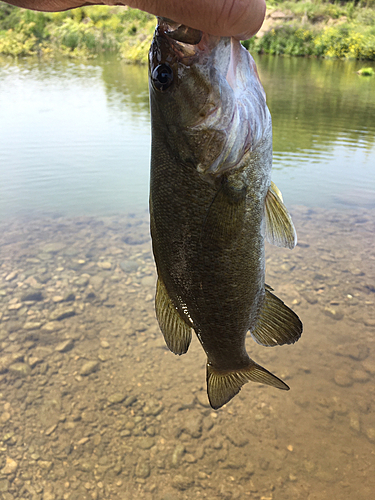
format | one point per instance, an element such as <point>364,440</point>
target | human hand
<point>241,19</point>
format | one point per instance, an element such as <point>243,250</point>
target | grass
<point>83,32</point>
<point>366,72</point>
<point>315,28</point>
<point>321,29</point>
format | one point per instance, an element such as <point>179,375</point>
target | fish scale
<point>212,204</point>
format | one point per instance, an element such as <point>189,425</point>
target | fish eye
<point>162,77</point>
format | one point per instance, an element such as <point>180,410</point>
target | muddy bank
<point>93,405</point>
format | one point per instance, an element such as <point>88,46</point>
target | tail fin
<point>222,386</point>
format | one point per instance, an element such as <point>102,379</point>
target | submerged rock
<point>32,296</point>
<point>343,378</point>
<point>20,369</point>
<point>61,314</point>
<point>10,467</point>
<point>89,367</point>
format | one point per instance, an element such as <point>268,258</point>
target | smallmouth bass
<point>212,204</point>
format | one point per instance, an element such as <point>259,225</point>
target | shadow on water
<point>92,404</point>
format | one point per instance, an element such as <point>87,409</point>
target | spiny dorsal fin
<point>177,333</point>
<point>279,226</point>
<point>223,386</point>
<point>277,324</point>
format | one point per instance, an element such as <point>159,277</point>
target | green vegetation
<point>319,28</point>
<point>83,32</point>
<point>366,72</point>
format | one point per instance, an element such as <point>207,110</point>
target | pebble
<point>11,276</point>
<point>360,376</point>
<point>130,400</point>
<point>57,298</point>
<point>142,469</point>
<point>178,454</point>
<point>148,281</point>
<point>33,296</point>
<point>343,378</point>
<point>4,417</point>
<point>10,467</point>
<point>370,433</point>
<point>333,313</point>
<point>33,361</point>
<point>105,265</point>
<point>182,482</point>
<point>50,430</point>
<point>116,398</point>
<point>65,346</point>
<point>193,424</point>
<point>4,485</point>
<point>129,266</point>
<point>61,314</point>
<point>146,443</point>
<point>236,437</point>
<point>89,367</point>
<point>96,281</point>
<point>51,327</point>
<point>14,307</point>
<point>53,247</point>
<point>32,325</point>
<point>20,369</point>
<point>82,281</point>
<point>354,422</point>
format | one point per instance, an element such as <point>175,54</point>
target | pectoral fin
<point>277,324</point>
<point>280,230</point>
<point>225,216</point>
<point>223,386</point>
<point>177,333</point>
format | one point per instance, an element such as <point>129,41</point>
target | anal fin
<point>177,333</point>
<point>280,230</point>
<point>277,324</point>
<point>222,386</point>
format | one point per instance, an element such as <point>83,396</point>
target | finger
<point>238,18</point>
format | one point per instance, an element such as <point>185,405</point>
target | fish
<point>213,205</point>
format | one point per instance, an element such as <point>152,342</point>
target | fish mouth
<point>180,32</point>
<point>187,44</point>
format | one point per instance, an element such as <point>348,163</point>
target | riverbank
<point>303,28</point>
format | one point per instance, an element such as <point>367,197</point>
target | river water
<point>92,404</point>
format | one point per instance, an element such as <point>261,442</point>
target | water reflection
<point>127,87</point>
<point>75,136</point>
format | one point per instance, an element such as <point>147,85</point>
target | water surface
<point>75,137</point>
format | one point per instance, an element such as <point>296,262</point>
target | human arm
<point>239,18</point>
